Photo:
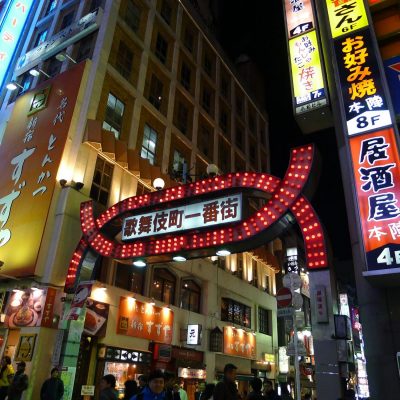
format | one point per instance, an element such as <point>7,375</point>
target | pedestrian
<point>107,388</point>
<point>53,387</point>
<point>142,382</point>
<point>175,392</point>
<point>269,392</point>
<point>6,375</point>
<point>285,395</point>
<point>207,394</point>
<point>182,392</point>
<point>199,390</point>
<point>155,388</point>
<point>131,388</point>
<point>226,389</point>
<point>19,383</point>
<point>256,393</point>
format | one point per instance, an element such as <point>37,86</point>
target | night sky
<point>257,28</point>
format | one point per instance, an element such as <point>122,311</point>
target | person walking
<point>19,382</point>
<point>269,392</point>
<point>182,392</point>
<point>155,388</point>
<point>53,387</point>
<point>107,388</point>
<point>226,389</point>
<point>6,375</point>
<point>256,393</point>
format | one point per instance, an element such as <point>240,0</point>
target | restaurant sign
<point>238,342</point>
<point>299,17</point>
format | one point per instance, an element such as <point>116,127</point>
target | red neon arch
<point>285,196</point>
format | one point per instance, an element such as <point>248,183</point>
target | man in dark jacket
<point>256,394</point>
<point>52,388</point>
<point>269,391</point>
<point>107,388</point>
<point>19,382</point>
<point>226,389</point>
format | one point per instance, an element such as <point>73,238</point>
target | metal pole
<point>296,360</point>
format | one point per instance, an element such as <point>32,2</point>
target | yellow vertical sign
<point>346,16</point>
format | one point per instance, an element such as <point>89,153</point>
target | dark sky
<point>257,28</point>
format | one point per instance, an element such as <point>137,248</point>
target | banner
<point>239,343</point>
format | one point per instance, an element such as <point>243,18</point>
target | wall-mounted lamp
<point>159,183</point>
<point>38,71</point>
<point>64,56</point>
<point>13,85</point>
<point>212,170</point>
<point>75,185</point>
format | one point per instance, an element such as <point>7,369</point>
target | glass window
<point>132,15</point>
<point>101,183</point>
<point>52,5</point>
<point>182,118</point>
<point>205,140</point>
<point>190,295</point>
<point>239,105</point>
<point>188,39</point>
<point>206,99</point>
<point>85,47</point>
<point>264,321</point>
<point>130,278</point>
<point>178,161</point>
<point>114,113</point>
<point>40,38</point>
<point>239,138</point>
<point>235,312</point>
<point>161,48</point>
<point>156,92</point>
<point>149,144</point>
<point>67,20</point>
<point>207,65</point>
<point>225,88</point>
<point>166,11</point>
<point>185,76</point>
<point>163,285</point>
<point>124,60</point>
<point>223,120</point>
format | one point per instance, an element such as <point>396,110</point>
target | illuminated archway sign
<point>138,227</point>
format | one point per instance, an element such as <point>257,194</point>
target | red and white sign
<point>284,297</point>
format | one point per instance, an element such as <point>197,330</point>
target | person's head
<point>230,372</point>
<point>130,388</point>
<point>21,366</point>
<point>5,361</point>
<point>349,394</point>
<point>256,384</point>
<point>156,381</point>
<point>268,386</point>
<point>107,381</point>
<point>55,372</point>
<point>142,380</point>
<point>208,391</point>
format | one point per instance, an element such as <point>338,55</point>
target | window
<point>239,138</point>
<point>124,60</point>
<point>149,144</point>
<point>101,184</point>
<point>182,117</point>
<point>235,312</point>
<point>161,48</point>
<point>163,285</point>
<point>239,105</point>
<point>166,11</point>
<point>67,20</point>
<point>225,88</point>
<point>132,15</point>
<point>207,65</point>
<point>156,91</point>
<point>264,321</point>
<point>85,47</point>
<point>130,278</point>
<point>190,295</point>
<point>52,5</point>
<point>40,38</point>
<point>206,100</point>
<point>253,152</point>
<point>188,39</point>
<point>178,161</point>
<point>223,120</point>
<point>205,140</point>
<point>185,76</point>
<point>252,123</point>
<point>267,284</point>
<point>114,113</point>
<point>142,189</point>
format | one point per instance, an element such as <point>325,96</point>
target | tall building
<point>110,95</point>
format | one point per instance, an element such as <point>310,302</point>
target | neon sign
<point>10,32</point>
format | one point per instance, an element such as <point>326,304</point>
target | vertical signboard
<point>369,130</point>
<point>30,155</point>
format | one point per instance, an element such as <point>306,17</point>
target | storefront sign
<point>299,17</point>
<point>192,373</point>
<point>59,41</point>
<point>96,318</point>
<point>193,334</point>
<point>362,92</point>
<point>58,343</point>
<point>198,215</point>
<point>30,155</point>
<point>283,360</point>
<point>26,347</point>
<point>12,25</point>
<point>68,377</point>
<point>346,16</point>
<point>321,308</point>
<point>239,343</point>
<point>87,390</point>
<point>162,352</point>
<point>81,295</point>
<point>126,355</point>
<point>187,355</point>
<point>145,320</point>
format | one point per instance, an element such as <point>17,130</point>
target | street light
<point>159,183</point>
<point>212,170</point>
<point>38,71</point>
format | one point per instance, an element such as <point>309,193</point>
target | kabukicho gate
<point>201,219</point>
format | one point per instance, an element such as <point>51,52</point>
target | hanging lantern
<point>216,340</point>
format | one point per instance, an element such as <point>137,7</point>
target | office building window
<point>149,144</point>
<point>182,117</point>
<point>51,7</point>
<point>161,48</point>
<point>235,312</point>
<point>142,189</point>
<point>206,100</point>
<point>223,120</point>
<point>124,60</point>
<point>264,321</point>
<point>239,105</point>
<point>190,295</point>
<point>166,11</point>
<point>178,162</point>
<point>205,140</point>
<point>207,65</point>
<point>40,38</point>
<point>132,15</point>
<point>114,114</point>
<point>130,278</point>
<point>188,39</point>
<point>156,92</point>
<point>163,285</point>
<point>185,76</point>
<point>101,183</point>
<point>224,88</point>
<point>239,138</point>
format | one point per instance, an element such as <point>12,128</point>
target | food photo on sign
<point>96,318</point>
